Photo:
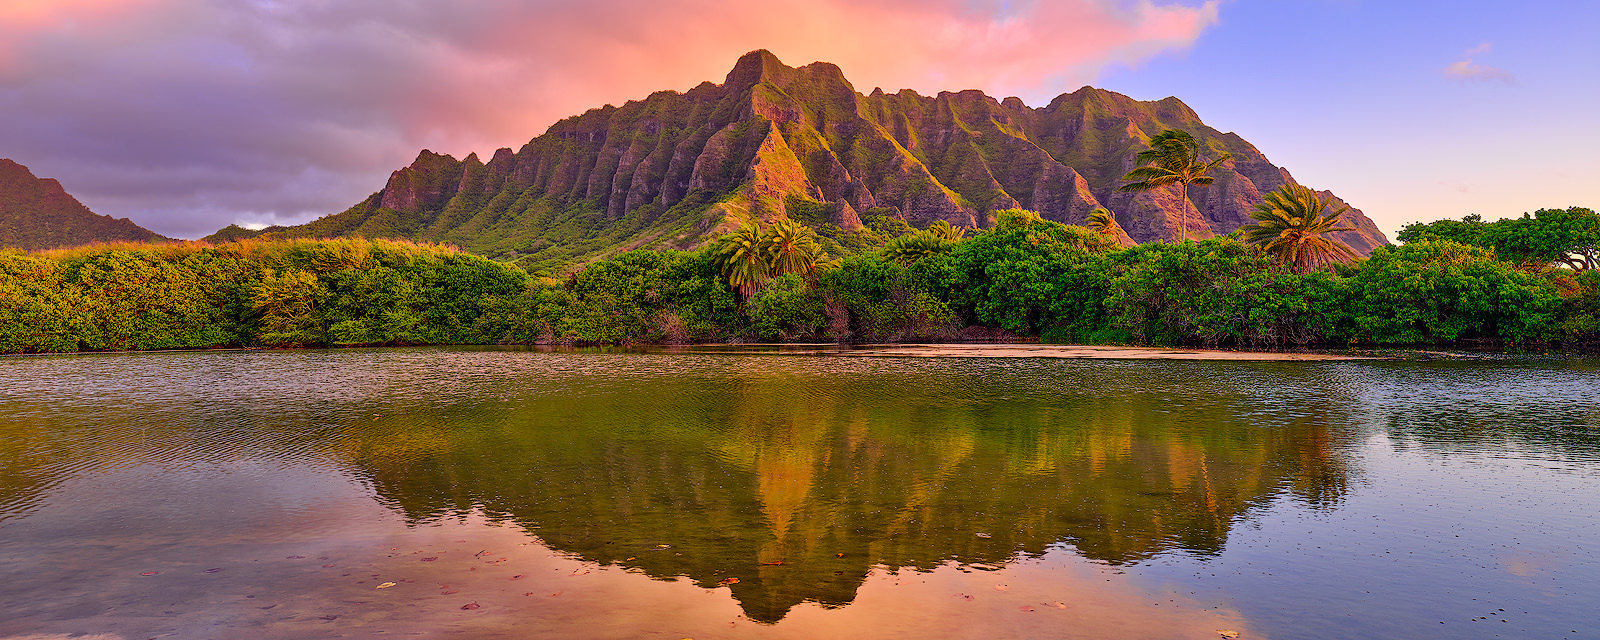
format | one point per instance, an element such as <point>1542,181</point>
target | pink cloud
<point>277,110</point>
<point>1467,69</point>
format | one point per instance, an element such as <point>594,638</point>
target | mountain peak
<point>675,170</point>
<point>37,213</point>
<point>756,66</point>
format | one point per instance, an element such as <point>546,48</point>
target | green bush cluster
<point>285,293</point>
<point>638,297</point>
<point>1026,276</point>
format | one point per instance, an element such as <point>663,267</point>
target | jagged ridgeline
<point>676,169</point>
<point>36,213</point>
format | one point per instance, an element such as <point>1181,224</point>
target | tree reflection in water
<point>800,482</point>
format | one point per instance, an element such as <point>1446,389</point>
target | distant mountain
<point>676,169</point>
<point>36,213</point>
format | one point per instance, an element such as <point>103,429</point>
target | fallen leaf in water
<point>984,535</point>
<point>726,581</point>
<point>517,577</point>
<point>964,596</point>
<point>294,557</point>
<point>430,559</point>
<point>1001,587</point>
<point>386,585</point>
<point>556,594</point>
<point>470,606</point>
<point>327,566</point>
<point>1026,607</point>
<point>447,592</point>
<point>839,555</point>
<point>149,573</point>
<point>631,559</point>
<point>580,572</point>
<point>1228,633</point>
<point>663,546</point>
<point>1055,604</point>
<point>772,564</point>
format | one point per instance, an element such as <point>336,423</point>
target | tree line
<point>1025,278</point>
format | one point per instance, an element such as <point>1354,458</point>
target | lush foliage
<point>751,255</point>
<point>1025,277</point>
<point>1217,292</point>
<point>1568,237</point>
<point>338,292</point>
<point>1438,291</point>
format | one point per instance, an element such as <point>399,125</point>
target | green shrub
<point>1029,276</point>
<point>1215,292</point>
<point>787,309</point>
<point>1439,291</point>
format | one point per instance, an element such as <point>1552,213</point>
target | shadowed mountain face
<point>36,213</point>
<point>674,169</point>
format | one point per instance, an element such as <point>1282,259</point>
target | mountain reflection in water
<point>270,494</point>
<point>799,481</point>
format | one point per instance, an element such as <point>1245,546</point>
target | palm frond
<point>1291,225</point>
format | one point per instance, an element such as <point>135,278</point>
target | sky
<point>189,115</point>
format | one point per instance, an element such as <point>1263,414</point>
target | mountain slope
<point>675,169</point>
<point>36,213</point>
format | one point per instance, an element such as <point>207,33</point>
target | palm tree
<point>1291,227</point>
<point>1173,158</point>
<point>1102,222</point>
<point>792,248</point>
<point>742,257</point>
<point>942,229</point>
<point>911,248</point>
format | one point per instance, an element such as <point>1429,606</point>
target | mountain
<point>676,169</point>
<point>36,213</point>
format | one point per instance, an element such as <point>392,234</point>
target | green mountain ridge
<point>37,213</point>
<point>674,170</point>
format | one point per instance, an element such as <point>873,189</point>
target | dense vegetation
<point>1025,277</point>
<point>331,292</point>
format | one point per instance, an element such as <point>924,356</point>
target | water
<point>482,493</point>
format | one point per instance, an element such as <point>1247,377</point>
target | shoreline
<point>917,350</point>
<point>1036,350</point>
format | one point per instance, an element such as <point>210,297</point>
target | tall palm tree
<point>1291,224</point>
<point>743,259</point>
<point>1173,158</point>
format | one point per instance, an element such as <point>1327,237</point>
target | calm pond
<point>488,493</point>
